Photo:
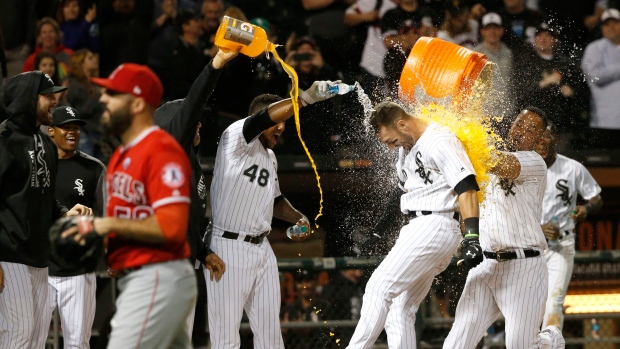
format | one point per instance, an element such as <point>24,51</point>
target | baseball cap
<point>47,85</point>
<point>491,18</point>
<point>65,115</point>
<point>545,27</point>
<point>134,79</point>
<point>610,13</point>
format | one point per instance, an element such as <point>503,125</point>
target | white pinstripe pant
<point>250,283</point>
<point>399,284</point>
<point>516,288</point>
<point>560,264</point>
<point>22,305</point>
<point>76,300</point>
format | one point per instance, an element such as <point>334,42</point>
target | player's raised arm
<point>281,111</point>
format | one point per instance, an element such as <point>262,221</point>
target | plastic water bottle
<point>340,89</point>
<point>296,230</point>
<point>554,244</point>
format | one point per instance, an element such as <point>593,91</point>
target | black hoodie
<point>28,164</point>
<point>180,118</point>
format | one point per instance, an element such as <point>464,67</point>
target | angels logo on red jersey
<point>172,175</point>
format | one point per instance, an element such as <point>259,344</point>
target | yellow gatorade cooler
<point>444,71</point>
<point>234,34</point>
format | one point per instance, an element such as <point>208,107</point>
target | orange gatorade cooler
<point>234,34</point>
<point>440,71</point>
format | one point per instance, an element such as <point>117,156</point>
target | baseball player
<point>28,165</point>
<point>81,179</point>
<point>245,196</point>
<point>438,179</point>
<point>512,278</point>
<point>181,118</point>
<point>147,183</point>
<point>566,179</point>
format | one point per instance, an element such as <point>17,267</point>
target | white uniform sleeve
<point>533,167</point>
<point>586,184</point>
<point>452,160</point>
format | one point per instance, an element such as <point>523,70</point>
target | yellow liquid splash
<point>295,97</point>
<point>471,124</point>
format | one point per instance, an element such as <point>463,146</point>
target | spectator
<point>124,32</point>
<point>307,307</point>
<point>548,80</point>
<point>601,65</point>
<point>401,28</point>
<point>19,21</point>
<point>344,293</point>
<point>458,27</point>
<point>49,38</point>
<point>372,73</point>
<point>164,35</point>
<point>84,96</point>
<point>497,52</point>
<point>520,24</point>
<point>79,31</point>
<point>212,12</point>
<point>47,63</point>
<point>326,25</point>
<point>320,121</point>
<point>187,58</point>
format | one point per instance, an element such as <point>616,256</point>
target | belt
<point>415,214</point>
<point>127,271</point>
<point>502,256</point>
<point>257,240</point>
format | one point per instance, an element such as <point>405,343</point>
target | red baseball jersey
<point>149,172</point>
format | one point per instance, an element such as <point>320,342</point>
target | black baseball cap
<point>47,86</point>
<point>66,115</point>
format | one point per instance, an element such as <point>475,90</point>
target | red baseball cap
<point>135,79</point>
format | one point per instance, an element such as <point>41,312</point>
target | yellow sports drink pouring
<point>234,34</point>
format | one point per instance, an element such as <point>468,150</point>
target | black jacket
<point>28,165</point>
<point>180,118</point>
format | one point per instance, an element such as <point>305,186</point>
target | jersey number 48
<point>263,175</point>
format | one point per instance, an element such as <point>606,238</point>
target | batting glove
<point>317,92</point>
<point>471,253</point>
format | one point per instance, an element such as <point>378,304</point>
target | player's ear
<point>50,131</point>
<point>138,106</point>
<point>401,125</point>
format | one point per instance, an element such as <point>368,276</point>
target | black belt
<point>414,214</point>
<point>125,272</point>
<point>251,239</point>
<point>508,255</point>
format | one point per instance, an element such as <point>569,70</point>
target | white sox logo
<point>565,191</point>
<point>40,173</point>
<point>70,111</point>
<point>421,171</point>
<point>471,254</point>
<point>79,187</point>
<point>507,185</point>
<point>202,188</point>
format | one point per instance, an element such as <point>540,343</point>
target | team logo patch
<point>172,175</point>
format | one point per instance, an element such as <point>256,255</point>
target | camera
<point>305,56</point>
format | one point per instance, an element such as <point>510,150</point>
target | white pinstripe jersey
<point>245,183</point>
<point>430,171</point>
<point>510,214</point>
<point>565,179</point>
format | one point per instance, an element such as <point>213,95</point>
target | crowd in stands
<point>562,59</point>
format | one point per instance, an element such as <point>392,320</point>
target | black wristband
<point>466,184</point>
<point>472,227</point>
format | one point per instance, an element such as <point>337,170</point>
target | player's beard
<point>118,121</point>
